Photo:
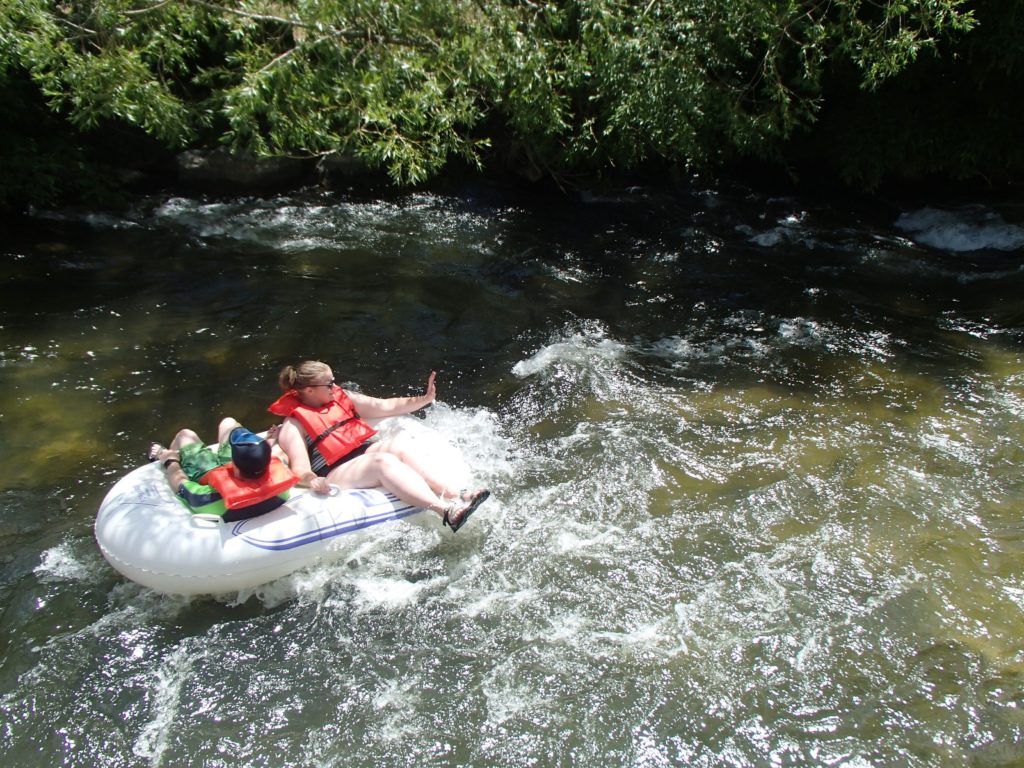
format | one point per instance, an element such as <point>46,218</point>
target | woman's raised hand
<point>431,392</point>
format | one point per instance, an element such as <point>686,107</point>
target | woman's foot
<point>458,512</point>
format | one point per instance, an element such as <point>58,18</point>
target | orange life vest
<point>335,430</point>
<point>239,491</point>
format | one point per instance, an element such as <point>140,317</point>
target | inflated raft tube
<point>147,535</point>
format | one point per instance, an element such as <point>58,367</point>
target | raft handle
<point>207,517</point>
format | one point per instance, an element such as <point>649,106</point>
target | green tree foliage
<point>393,83</point>
<point>407,85</point>
<point>697,82</point>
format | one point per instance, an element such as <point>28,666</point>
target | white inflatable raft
<point>147,535</point>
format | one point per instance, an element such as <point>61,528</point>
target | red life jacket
<point>335,430</point>
<point>239,491</point>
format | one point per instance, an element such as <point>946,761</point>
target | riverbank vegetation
<point>859,90</point>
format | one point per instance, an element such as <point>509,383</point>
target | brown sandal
<point>474,502</point>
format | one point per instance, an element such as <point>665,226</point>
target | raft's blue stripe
<point>368,500</point>
<point>320,534</point>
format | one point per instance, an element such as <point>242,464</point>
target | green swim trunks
<point>197,459</point>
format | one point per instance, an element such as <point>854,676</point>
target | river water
<point>756,461</point>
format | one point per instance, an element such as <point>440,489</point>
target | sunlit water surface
<point>756,463</point>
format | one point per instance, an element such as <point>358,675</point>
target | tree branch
<point>331,31</point>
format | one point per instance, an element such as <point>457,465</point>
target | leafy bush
<point>566,86</point>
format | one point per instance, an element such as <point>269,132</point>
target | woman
<point>328,443</point>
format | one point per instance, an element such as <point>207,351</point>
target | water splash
<point>963,230</point>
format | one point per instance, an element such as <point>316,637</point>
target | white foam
<point>301,227</point>
<point>507,699</point>
<point>395,706</point>
<point>960,230</point>
<point>496,600</point>
<point>308,585</point>
<point>678,348</point>
<point>771,238</point>
<point>567,541</point>
<point>60,563</point>
<point>477,436</point>
<point>650,749</point>
<point>646,636</point>
<point>788,230</point>
<point>1016,595</point>
<point>800,329</point>
<point>579,349</point>
<point>171,676</point>
<point>388,593</point>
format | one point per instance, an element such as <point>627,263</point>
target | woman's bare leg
<point>388,471</point>
<point>405,450</point>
